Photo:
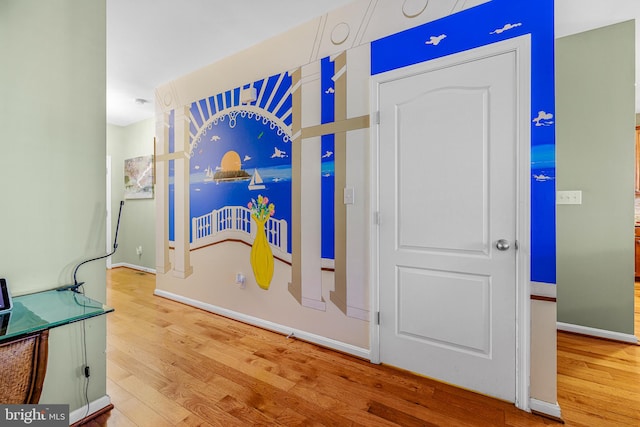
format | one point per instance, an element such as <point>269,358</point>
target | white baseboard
<point>600,333</point>
<point>285,330</point>
<point>544,289</point>
<point>135,267</point>
<point>94,407</point>
<point>550,409</point>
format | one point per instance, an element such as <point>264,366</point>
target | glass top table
<point>45,310</point>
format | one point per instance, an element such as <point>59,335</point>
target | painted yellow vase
<point>261,256</point>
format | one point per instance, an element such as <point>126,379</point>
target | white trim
<point>94,407</point>
<point>374,220</point>
<point>553,410</point>
<point>265,324</point>
<point>108,223</point>
<point>544,289</point>
<point>599,333</point>
<point>134,267</point>
<point>522,47</point>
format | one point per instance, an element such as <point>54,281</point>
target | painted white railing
<point>236,220</point>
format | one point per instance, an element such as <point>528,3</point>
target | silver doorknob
<point>502,245</point>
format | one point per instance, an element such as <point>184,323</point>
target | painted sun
<point>230,162</point>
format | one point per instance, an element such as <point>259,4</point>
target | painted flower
<point>260,209</point>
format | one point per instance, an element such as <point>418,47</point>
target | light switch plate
<point>349,196</point>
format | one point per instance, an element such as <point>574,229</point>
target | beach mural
<point>256,169</point>
<point>241,152</point>
<point>240,169</point>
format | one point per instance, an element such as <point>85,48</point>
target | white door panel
<point>450,124</point>
<point>448,139</point>
<point>462,303</point>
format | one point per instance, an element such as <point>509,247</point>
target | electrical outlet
<point>139,250</point>
<point>240,280</point>
<point>569,197</point>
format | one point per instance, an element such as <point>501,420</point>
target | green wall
<point>595,97</point>
<point>137,226</point>
<point>52,174</point>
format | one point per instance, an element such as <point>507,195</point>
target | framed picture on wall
<point>138,177</point>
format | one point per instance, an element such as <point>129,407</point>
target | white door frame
<point>522,48</point>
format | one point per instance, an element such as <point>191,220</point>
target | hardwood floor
<point>637,309</point>
<point>170,364</point>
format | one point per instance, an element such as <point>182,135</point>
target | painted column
<point>357,240</point>
<point>306,257</point>
<point>295,287</point>
<point>182,262</point>
<point>162,193</point>
<point>349,293</point>
<point>306,285</point>
<point>311,212</point>
<point>339,295</point>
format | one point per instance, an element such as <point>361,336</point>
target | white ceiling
<point>151,42</point>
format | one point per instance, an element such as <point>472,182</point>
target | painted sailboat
<point>208,174</point>
<point>256,182</point>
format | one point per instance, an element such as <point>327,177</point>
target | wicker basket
<point>23,364</point>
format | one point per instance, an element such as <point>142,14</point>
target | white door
<point>448,201</point>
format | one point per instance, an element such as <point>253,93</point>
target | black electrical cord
<point>85,358</point>
<point>86,372</point>
<point>74,287</point>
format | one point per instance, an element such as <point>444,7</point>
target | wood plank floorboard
<point>169,364</point>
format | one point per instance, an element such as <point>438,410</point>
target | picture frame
<point>139,177</point>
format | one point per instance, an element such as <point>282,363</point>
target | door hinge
<point>515,245</point>
<point>378,318</point>
<point>376,218</point>
<point>377,117</point>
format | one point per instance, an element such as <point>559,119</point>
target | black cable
<point>76,285</point>
<point>85,368</point>
<point>85,371</point>
<point>85,357</point>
